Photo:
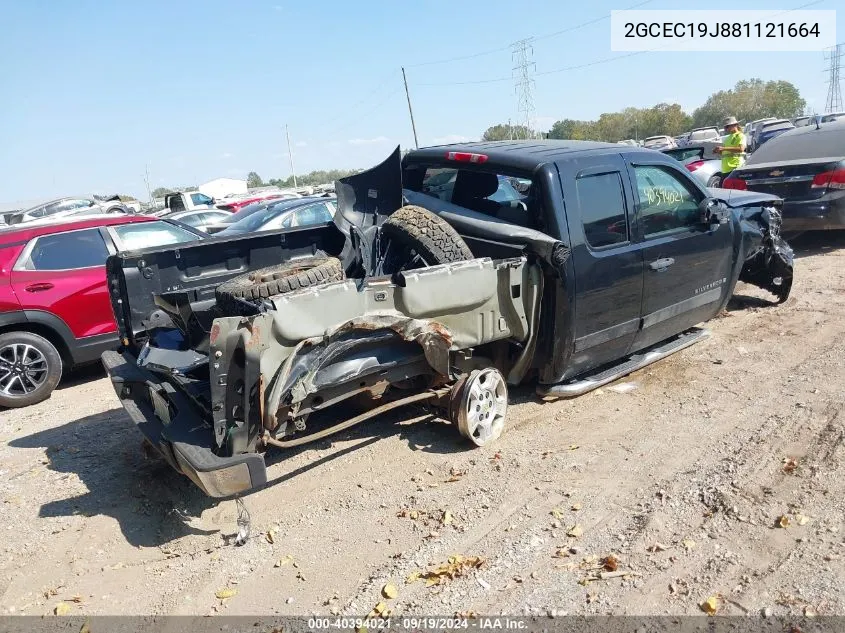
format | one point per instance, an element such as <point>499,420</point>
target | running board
<point>583,384</point>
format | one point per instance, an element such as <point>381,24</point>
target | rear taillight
<point>830,179</point>
<point>694,165</point>
<point>733,182</point>
<point>466,157</point>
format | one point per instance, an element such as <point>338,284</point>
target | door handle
<point>661,264</point>
<point>44,285</point>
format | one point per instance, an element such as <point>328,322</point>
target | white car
<point>69,206</point>
<point>659,142</point>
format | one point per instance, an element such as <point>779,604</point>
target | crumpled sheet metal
<point>433,338</point>
<point>769,260</point>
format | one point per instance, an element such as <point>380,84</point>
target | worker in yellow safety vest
<point>732,148</point>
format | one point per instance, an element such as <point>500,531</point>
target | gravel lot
<point>720,475</point>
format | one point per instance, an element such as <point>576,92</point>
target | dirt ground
<point>720,474</point>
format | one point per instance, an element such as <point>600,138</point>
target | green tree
<point>254,180</point>
<point>751,99</point>
<point>504,132</point>
<point>160,192</point>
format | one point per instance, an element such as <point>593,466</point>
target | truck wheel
<point>30,368</point>
<point>715,180</point>
<point>279,279</point>
<point>479,405</point>
<point>416,237</point>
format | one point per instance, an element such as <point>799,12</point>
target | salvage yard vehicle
<point>606,262</point>
<point>70,206</point>
<point>55,312</point>
<point>805,167</point>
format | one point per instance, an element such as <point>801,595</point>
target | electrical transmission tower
<point>834,90</point>
<point>523,52</point>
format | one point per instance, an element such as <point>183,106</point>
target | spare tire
<point>279,279</point>
<point>419,232</point>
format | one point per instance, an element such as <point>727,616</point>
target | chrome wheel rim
<point>23,369</point>
<point>484,404</point>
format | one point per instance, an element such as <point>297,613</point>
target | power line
<point>588,64</point>
<point>833,103</point>
<point>500,49</point>
<point>523,51</point>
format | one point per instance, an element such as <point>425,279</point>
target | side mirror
<point>713,212</point>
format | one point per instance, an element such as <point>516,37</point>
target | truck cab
<point>187,201</point>
<point>644,264</point>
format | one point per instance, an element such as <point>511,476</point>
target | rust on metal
<point>254,339</point>
<point>215,333</point>
<point>388,406</point>
<point>261,385</point>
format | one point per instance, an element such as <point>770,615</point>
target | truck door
<point>687,263</point>
<point>608,263</point>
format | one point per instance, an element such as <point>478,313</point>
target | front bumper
<point>169,421</point>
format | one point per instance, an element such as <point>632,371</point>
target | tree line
<point>748,100</point>
<point>253,180</point>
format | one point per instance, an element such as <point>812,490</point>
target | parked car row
<point>55,312</point>
<point>70,206</point>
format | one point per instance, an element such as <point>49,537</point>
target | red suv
<point>55,311</point>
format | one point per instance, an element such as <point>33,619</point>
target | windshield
<point>148,234</point>
<point>258,218</point>
<point>200,198</point>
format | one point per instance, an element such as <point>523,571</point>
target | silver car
<point>200,219</point>
<point>700,160</point>
<point>69,206</point>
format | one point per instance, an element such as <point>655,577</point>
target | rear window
<point>149,234</point>
<point>803,143</point>
<point>504,196</point>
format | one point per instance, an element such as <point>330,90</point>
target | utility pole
<point>510,129</point>
<point>522,53</point>
<point>410,111</point>
<point>290,155</point>
<point>833,103</point>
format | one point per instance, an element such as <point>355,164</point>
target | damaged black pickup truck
<point>446,276</point>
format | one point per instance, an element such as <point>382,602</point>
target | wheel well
<point>47,332</point>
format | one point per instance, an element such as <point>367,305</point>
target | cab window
<point>602,205</point>
<point>666,202</point>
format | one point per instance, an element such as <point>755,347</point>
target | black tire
<point>715,180</point>
<point>279,279</point>
<point>420,232</point>
<point>18,353</point>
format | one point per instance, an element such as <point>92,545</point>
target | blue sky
<point>94,91</point>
